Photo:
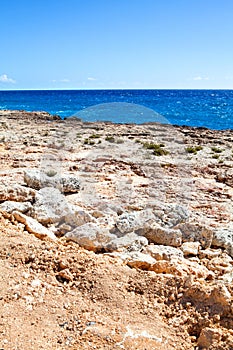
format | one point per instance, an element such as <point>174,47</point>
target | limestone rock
<point>223,238</point>
<point>192,232</point>
<point>10,206</point>
<point>170,215</point>
<point>90,237</point>
<point>161,252</point>
<point>37,179</point>
<point>130,241</point>
<point>190,248</point>
<point>50,205</point>
<point>34,227</point>
<point>139,260</point>
<point>16,193</point>
<point>165,236</point>
<point>128,222</point>
<point>181,267</point>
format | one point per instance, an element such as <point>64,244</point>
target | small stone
<point>190,248</point>
<point>209,337</point>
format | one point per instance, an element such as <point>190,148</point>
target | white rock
<point>131,241</point>
<point>90,237</point>
<point>224,238</point>
<point>37,179</point>
<point>33,226</point>
<point>161,252</point>
<point>10,206</point>
<point>190,248</point>
<point>165,236</point>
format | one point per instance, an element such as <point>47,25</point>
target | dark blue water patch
<point>201,108</point>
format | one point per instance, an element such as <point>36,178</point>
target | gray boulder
<point>192,232</point>
<point>223,238</point>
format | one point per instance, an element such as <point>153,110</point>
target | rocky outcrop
<point>37,179</point>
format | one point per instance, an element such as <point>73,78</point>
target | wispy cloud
<point>60,81</point>
<point>200,78</point>
<point>91,79</point>
<point>5,79</point>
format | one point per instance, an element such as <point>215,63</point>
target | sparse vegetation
<point>216,150</point>
<point>193,149</point>
<point>215,156</point>
<point>158,149</point>
<point>110,139</point>
<point>94,136</point>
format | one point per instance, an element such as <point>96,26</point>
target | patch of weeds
<point>94,136</point>
<point>89,142</point>
<point>193,149</point>
<point>157,148</point>
<point>137,141</point>
<point>215,156</point>
<point>221,161</point>
<point>119,141</point>
<point>110,139</point>
<point>216,150</point>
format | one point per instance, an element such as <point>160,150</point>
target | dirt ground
<point>59,296</point>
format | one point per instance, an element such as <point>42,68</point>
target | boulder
<point>223,238</point>
<point>52,207</point>
<point>33,226</point>
<point>194,232</point>
<point>130,241</point>
<point>162,252</point>
<point>90,237</point>
<point>128,222</point>
<point>37,179</point>
<point>10,206</point>
<point>165,236</point>
<point>170,215</point>
<point>16,193</point>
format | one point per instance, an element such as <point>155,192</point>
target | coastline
<point>137,217</point>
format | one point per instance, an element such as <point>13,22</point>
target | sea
<point>200,108</point>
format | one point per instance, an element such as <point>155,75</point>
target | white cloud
<point>200,78</point>
<point>5,79</point>
<point>91,79</point>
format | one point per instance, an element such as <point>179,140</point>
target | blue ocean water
<point>205,108</point>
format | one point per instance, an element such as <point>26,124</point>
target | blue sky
<point>88,44</point>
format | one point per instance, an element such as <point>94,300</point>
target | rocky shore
<point>114,236</point>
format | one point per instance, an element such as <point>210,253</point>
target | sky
<point>116,44</point>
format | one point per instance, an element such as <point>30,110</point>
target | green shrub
<point>193,149</point>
